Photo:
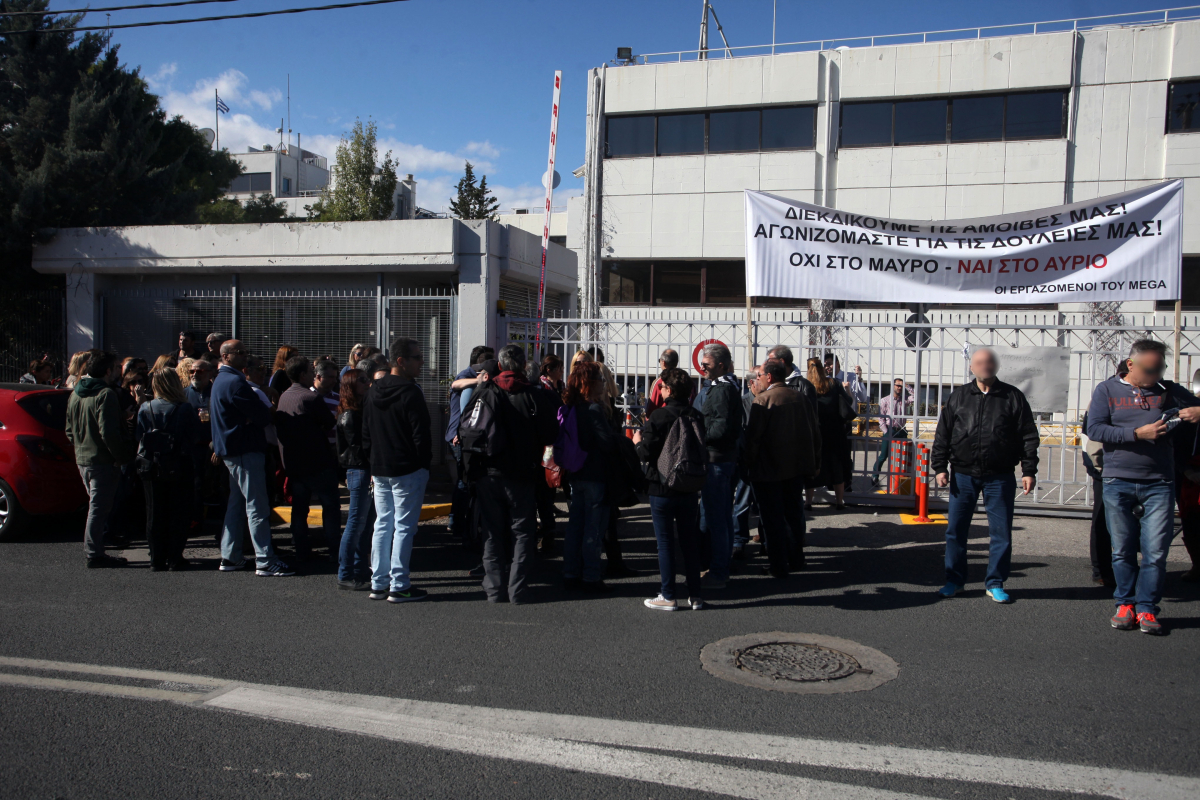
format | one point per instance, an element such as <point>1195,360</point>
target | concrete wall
<point>690,206</point>
<point>353,255</point>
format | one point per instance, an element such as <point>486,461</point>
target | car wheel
<point>11,513</point>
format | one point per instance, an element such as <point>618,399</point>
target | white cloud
<point>265,100</point>
<point>484,149</point>
<point>162,78</point>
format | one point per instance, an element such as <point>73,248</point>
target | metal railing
<point>632,347</point>
<point>1156,17</point>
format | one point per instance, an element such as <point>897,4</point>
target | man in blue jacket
<point>1133,417</point>
<point>239,422</point>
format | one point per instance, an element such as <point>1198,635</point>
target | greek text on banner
<point>1123,247</point>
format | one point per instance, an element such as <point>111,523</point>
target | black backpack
<point>162,449</point>
<point>683,463</point>
<point>481,430</point>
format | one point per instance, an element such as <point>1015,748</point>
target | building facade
<point>946,130</point>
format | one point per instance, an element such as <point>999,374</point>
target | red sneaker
<point>1125,619</point>
<point>1148,624</point>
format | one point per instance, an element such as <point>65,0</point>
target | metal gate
<point>146,322</point>
<point>316,323</point>
<point>431,319</point>
<point>878,343</point>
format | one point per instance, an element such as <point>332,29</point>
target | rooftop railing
<point>1158,17</point>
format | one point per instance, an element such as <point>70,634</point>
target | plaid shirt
<point>891,411</point>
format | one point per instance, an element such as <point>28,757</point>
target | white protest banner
<point>1123,247</point>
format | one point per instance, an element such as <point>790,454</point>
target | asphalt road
<point>1044,679</point>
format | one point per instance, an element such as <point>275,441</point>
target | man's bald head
<point>233,353</point>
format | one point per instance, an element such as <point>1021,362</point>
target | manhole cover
<point>789,661</point>
<point>798,662</point>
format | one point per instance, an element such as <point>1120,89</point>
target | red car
<point>37,464</point>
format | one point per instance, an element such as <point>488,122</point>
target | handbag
<point>846,406</point>
<point>553,472</point>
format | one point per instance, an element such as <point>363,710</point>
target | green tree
<point>473,201</point>
<point>259,208</point>
<point>84,142</point>
<point>360,188</point>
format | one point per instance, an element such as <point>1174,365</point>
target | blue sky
<point>448,80</point>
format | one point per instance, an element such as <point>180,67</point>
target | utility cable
<point>82,29</point>
<point>48,11</point>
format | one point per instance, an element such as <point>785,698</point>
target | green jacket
<point>94,425</point>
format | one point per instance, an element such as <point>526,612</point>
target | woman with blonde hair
<point>184,371</point>
<point>165,361</point>
<point>167,433</point>
<point>831,399</point>
<point>75,368</point>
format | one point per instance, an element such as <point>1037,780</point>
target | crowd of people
<point>212,421</point>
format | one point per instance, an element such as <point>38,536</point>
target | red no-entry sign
<point>699,347</point>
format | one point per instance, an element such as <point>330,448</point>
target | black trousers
<point>545,508</point>
<point>1101,543</point>
<point>168,518</point>
<point>781,514</point>
<point>508,511</point>
<point>612,543</point>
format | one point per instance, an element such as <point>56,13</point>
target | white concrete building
<point>944,130</point>
<point>321,287</point>
<point>293,175</point>
<point>530,220</point>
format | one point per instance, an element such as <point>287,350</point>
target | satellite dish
<point>209,135</point>
<point>1196,382</point>
<point>557,179</point>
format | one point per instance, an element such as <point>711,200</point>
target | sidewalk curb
<point>282,515</point>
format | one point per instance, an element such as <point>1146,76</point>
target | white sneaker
<point>661,603</point>
<point>276,569</point>
<point>696,603</point>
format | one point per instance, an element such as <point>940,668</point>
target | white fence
<point>877,342</point>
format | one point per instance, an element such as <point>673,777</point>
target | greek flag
<point>224,109</point>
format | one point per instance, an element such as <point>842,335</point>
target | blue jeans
<point>999,496</point>
<point>717,500</point>
<point>677,515</point>
<point>743,500</point>
<point>1140,587</point>
<point>248,500</point>
<point>325,486</point>
<point>354,555</point>
<point>397,510</point>
<point>585,531</point>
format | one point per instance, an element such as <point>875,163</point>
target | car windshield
<point>48,408</point>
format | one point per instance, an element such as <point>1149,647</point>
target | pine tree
<point>359,190</point>
<point>83,142</point>
<point>473,201</point>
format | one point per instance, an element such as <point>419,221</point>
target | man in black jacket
<point>723,430</point>
<point>985,430</point>
<point>303,422</point>
<point>398,443</point>
<point>795,379</point>
<point>504,481</point>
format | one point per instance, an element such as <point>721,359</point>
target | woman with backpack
<point>167,434</point>
<point>584,452</point>
<point>833,403</point>
<point>354,555</point>
<point>674,505</point>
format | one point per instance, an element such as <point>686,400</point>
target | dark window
<point>1038,115</point>
<point>725,282</point>
<point>977,119</point>
<point>1189,292</point>
<point>251,182</point>
<point>789,128</point>
<point>1183,107</point>
<point>677,283</point>
<point>920,122</point>
<point>680,133</point>
<point>48,408</point>
<point>733,131</point>
<point>866,124</point>
<point>630,136</point>
<point>625,282</point>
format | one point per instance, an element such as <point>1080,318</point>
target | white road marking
<point>587,743</point>
<point>476,740</point>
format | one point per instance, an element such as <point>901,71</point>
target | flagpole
<point>217,115</point>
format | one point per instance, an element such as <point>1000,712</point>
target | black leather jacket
<point>349,441</point>
<point>986,434</point>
